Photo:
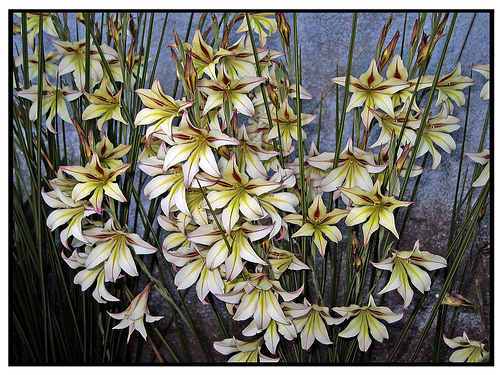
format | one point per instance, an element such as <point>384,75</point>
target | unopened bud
<point>356,262</point>
<point>284,28</point>
<point>80,18</point>
<point>83,139</point>
<point>97,32</point>
<point>224,152</point>
<point>442,24</point>
<point>234,123</point>
<point>389,51</point>
<point>113,31</point>
<point>456,300</point>
<point>190,73</point>
<point>414,33</point>
<point>272,94</point>
<point>385,29</point>
<point>132,27</point>
<point>130,58</point>
<point>402,158</point>
<point>225,38</point>
<point>355,240</point>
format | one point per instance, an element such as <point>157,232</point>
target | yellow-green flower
<point>404,266</point>
<point>470,351</point>
<point>234,91</point>
<point>482,158</point>
<point>109,155</point>
<point>161,109</point>
<point>485,71</point>
<point>133,316</point>
<point>50,66</point>
<point>33,25</point>
<point>195,147</point>
<point>309,319</point>
<point>449,87</point>
<point>353,169</point>
<point>66,210</point>
<point>103,102</point>
<point>235,193</point>
<point>239,250</point>
<point>285,126</point>
<point>112,246</point>
<point>204,58</point>
<point>436,133</point>
<point>372,207</point>
<point>372,91</point>
<point>53,99</point>
<point>96,180</point>
<point>246,352</point>
<point>74,61</point>
<point>366,322</point>
<point>259,300</point>
<point>259,22</point>
<point>319,223</point>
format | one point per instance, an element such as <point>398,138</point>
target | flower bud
<point>383,35</point>
<point>113,31</point>
<point>284,28</point>
<point>225,38</point>
<point>457,300</point>
<point>132,27</point>
<point>190,73</point>
<point>356,262</point>
<point>272,94</point>
<point>414,33</point>
<point>389,51</point>
<point>130,58</point>
<point>402,158</point>
<point>224,152</point>
<point>355,241</point>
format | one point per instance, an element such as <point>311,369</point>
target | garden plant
<point>206,219</point>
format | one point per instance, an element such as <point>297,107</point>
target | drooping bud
<point>215,27</point>
<point>284,28</point>
<point>426,47</point>
<point>389,51</point>
<point>456,300</point>
<point>355,240</point>
<point>482,213</point>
